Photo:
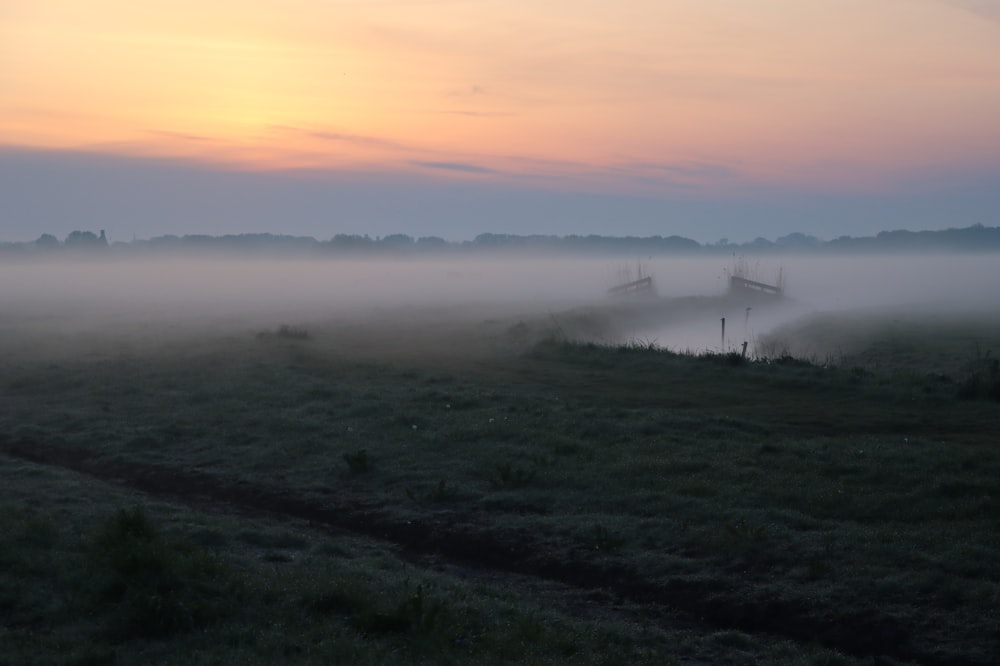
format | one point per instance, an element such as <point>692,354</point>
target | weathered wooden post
<point>723,334</point>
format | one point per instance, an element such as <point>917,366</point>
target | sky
<point>703,118</point>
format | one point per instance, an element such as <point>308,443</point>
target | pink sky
<point>656,98</point>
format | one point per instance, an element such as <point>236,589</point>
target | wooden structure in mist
<point>739,285</point>
<point>640,286</point>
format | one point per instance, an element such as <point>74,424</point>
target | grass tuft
<point>359,462</point>
<point>507,477</point>
<point>152,587</point>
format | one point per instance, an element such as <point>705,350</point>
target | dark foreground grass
<point>94,579</point>
<point>262,499</point>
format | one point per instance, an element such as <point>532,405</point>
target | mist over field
<point>147,300</point>
<point>451,411</point>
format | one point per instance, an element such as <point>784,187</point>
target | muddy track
<point>710,604</point>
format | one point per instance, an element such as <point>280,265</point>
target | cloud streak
<point>480,114</point>
<point>693,169</point>
<point>345,137</point>
<point>183,136</point>
<point>456,166</point>
<point>985,9</point>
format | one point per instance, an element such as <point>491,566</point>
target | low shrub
<point>507,477</point>
<point>358,462</point>
<point>149,586</point>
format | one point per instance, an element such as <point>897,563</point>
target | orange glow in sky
<point>630,94</point>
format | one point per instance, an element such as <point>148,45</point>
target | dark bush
<point>152,587</point>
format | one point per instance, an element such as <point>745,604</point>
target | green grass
<point>273,498</point>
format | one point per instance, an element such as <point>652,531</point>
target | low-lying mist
<point>60,305</point>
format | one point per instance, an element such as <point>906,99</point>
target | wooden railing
<point>738,283</point>
<point>634,287</point>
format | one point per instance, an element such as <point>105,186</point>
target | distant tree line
<point>969,239</point>
<point>77,240</point>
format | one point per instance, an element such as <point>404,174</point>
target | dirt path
<point>706,606</point>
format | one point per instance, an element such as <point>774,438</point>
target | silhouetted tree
<point>86,239</point>
<point>47,242</point>
<point>397,240</point>
<point>431,242</point>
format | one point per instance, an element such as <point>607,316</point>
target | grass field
<point>463,487</point>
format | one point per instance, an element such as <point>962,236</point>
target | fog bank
<point>81,296</point>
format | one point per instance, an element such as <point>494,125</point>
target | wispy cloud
<point>357,139</point>
<point>474,90</point>
<point>180,135</point>
<point>986,9</point>
<point>479,114</point>
<point>691,169</point>
<point>456,166</point>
